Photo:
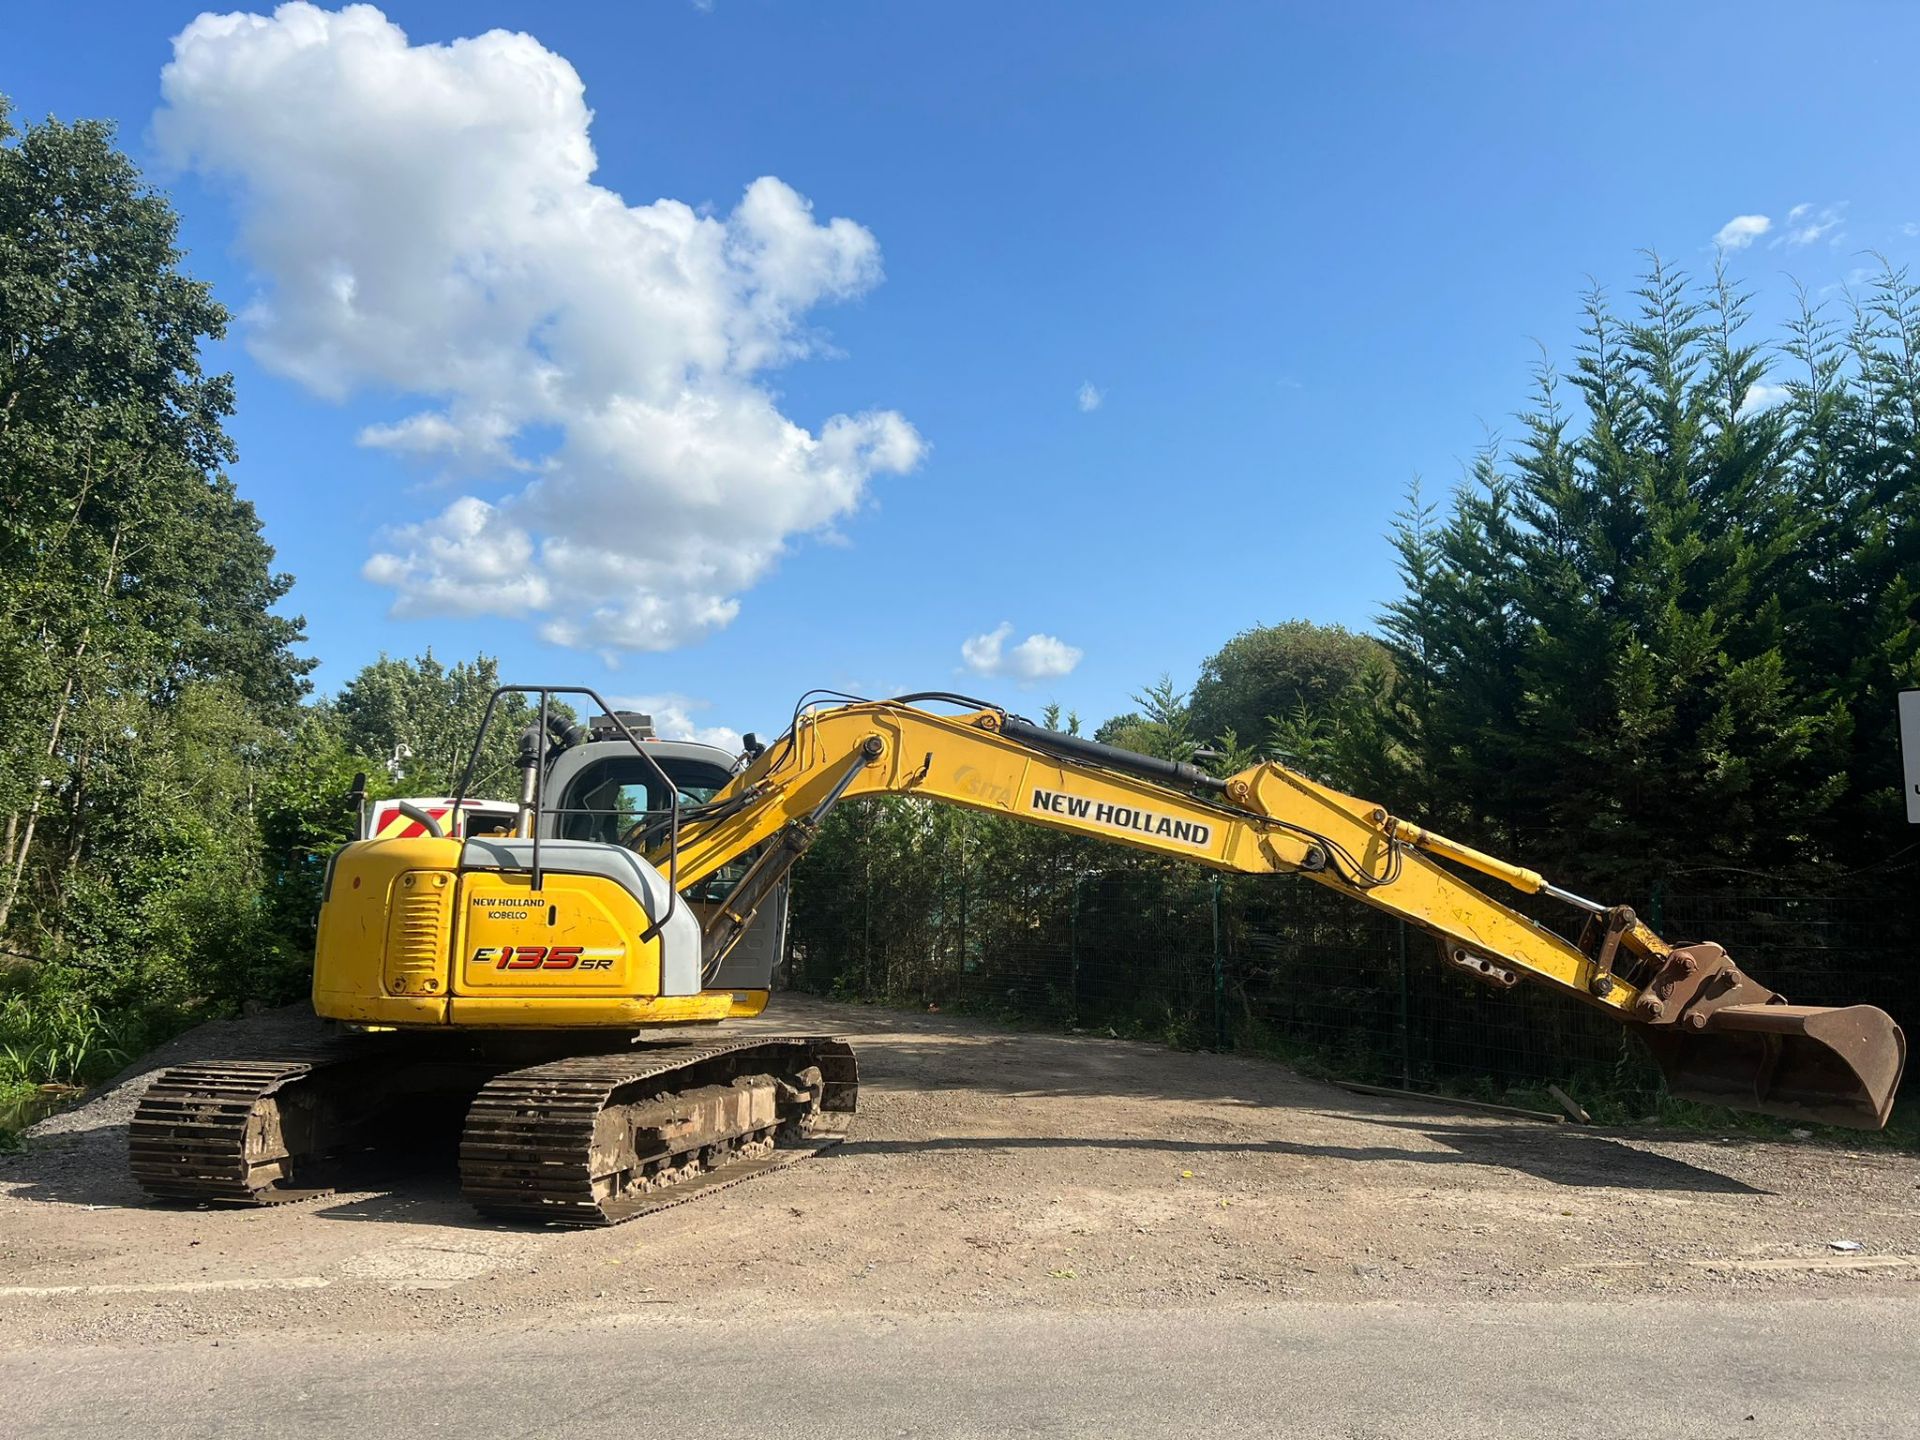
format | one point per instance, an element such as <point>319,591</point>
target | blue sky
<point>1300,256</point>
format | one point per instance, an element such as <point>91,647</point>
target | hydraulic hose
<point>1112,757</point>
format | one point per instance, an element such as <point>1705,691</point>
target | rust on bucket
<point>1723,1038</point>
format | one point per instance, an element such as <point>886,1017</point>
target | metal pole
<point>1219,973</point>
<point>1073,952</point>
<point>1406,1061</point>
<point>539,791</point>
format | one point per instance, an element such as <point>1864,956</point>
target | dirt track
<point>990,1169</point>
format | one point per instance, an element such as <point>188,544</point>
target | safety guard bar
<point>546,692</point>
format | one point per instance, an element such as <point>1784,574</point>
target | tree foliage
<point>1667,625</point>
<point>419,717</point>
<point>1275,671</point>
<point>149,675</point>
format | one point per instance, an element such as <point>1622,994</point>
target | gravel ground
<point>990,1169</point>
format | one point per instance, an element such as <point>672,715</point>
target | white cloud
<point>424,223</point>
<point>1763,397</point>
<point>467,560</point>
<point>1038,657</point>
<point>472,442</point>
<point>673,719</point>
<point>1806,226</point>
<point>1741,231</point>
<point>1857,277</point>
<point>1090,397</point>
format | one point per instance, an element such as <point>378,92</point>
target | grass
<point>53,1045</point>
<point>61,1041</point>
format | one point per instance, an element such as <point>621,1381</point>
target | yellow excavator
<point>542,981</point>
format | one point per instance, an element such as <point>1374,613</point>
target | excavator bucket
<point>1800,1062</point>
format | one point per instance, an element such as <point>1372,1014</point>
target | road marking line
<point>1782,1262</point>
<point>176,1287</point>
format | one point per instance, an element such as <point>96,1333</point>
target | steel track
<point>204,1132</point>
<point>189,1136</point>
<point>527,1150</point>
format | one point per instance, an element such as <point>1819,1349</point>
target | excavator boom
<point>1717,1034</point>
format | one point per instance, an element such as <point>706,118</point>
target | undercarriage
<point>582,1139</point>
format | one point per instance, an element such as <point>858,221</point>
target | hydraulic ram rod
<point>1527,882</point>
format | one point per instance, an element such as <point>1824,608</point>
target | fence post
<point>1219,976</point>
<point>1657,910</point>
<point>1073,954</point>
<point>866,934</point>
<point>1401,1025</point>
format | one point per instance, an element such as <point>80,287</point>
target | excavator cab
<point>603,789</point>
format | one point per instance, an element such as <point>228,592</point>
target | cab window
<point>607,800</point>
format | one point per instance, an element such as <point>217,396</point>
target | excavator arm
<point>1718,1035</point>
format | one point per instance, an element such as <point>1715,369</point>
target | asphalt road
<point>1677,1369</point>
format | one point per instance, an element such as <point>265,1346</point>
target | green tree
<point>1162,726</point>
<point>417,719</point>
<point>1670,616</point>
<point>1273,670</point>
<point>1859,429</point>
<point>145,666</point>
